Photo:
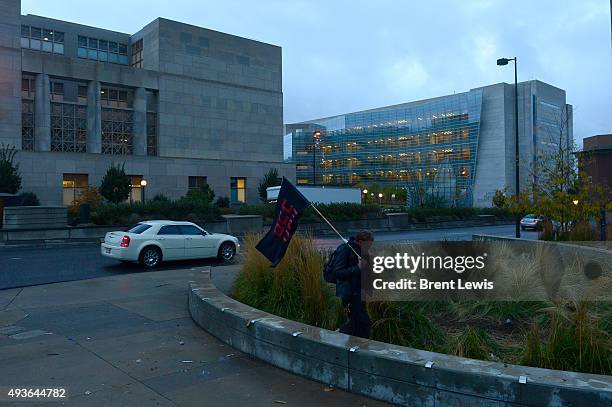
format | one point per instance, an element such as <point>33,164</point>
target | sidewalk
<point>129,340</point>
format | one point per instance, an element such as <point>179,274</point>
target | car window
<point>138,229</point>
<point>190,230</point>
<point>169,230</point>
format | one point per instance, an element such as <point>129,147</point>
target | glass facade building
<point>428,147</point>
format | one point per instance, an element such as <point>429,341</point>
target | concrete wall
<point>396,374</point>
<point>29,217</point>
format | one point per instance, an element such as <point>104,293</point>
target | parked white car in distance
<point>151,242</point>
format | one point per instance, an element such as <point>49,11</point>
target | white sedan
<point>150,242</point>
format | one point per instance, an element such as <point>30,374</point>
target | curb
<point>383,371</point>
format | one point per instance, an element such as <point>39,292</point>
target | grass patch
<point>559,334</point>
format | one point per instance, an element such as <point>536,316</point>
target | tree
<point>556,188</point>
<point>499,199</point>
<point>10,180</point>
<point>116,185</point>
<point>270,179</point>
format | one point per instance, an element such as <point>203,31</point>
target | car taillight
<point>125,242</point>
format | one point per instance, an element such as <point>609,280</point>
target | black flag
<point>290,205</point>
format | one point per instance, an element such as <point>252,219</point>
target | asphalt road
<point>20,267</point>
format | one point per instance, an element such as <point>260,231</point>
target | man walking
<point>349,269</point>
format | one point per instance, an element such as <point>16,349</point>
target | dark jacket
<point>348,274</point>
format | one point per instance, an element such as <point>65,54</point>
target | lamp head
<point>502,61</point>
<point>143,183</point>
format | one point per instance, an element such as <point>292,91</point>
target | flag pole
<point>332,226</point>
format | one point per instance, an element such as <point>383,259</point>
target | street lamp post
<point>501,62</point>
<point>365,195</point>
<point>380,195</point>
<point>143,184</point>
<point>315,142</point>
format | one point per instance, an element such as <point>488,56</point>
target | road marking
<point>28,334</point>
<point>11,329</point>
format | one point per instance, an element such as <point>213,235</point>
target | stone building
<point>181,106</point>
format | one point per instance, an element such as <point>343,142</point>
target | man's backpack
<point>329,268</point>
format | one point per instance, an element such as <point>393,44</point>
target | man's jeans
<point>358,323</point>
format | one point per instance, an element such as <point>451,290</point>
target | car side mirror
<point>204,233</point>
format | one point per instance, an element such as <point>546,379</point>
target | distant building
<point>595,159</point>
<point>181,106</point>
<point>458,147</point>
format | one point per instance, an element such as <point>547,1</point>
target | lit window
<point>73,185</point>
<point>238,190</point>
<point>136,189</point>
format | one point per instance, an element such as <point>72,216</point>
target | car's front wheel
<point>150,257</point>
<point>227,251</point>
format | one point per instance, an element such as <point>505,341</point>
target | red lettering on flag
<point>284,221</point>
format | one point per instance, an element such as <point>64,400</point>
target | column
<point>94,118</point>
<point>140,121</point>
<point>42,113</point>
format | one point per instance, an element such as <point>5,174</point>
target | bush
<point>160,197</point>
<point>183,209</point>
<point>116,185</point>
<point>270,179</point>
<point>90,196</point>
<point>333,212</point>
<point>202,195</point>
<point>293,289</point>
<point>222,202</point>
<point>574,340</point>
<point>29,199</point>
<point>10,180</point>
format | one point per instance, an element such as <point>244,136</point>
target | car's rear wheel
<point>227,251</point>
<point>150,257</point>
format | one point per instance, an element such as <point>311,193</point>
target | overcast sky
<point>343,56</point>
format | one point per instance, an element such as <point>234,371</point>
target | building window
<point>82,94</point>
<point>117,131</point>
<point>151,133</point>
<point>73,185</point>
<point>102,50</point>
<point>238,190</point>
<point>115,97</point>
<point>136,191</point>
<point>57,91</point>
<point>197,182</point>
<point>27,87</point>
<point>42,39</point>
<point>136,57</point>
<point>68,127</point>
<point>27,125</point>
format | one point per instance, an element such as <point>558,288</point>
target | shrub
<point>270,179</point>
<point>160,197</point>
<point>499,199</point>
<point>582,232</point>
<point>293,289</point>
<point>203,195</point>
<point>473,343</point>
<point>10,180</point>
<point>116,185</point>
<point>575,340</point>
<point>29,199</point>
<point>195,211</point>
<point>222,202</point>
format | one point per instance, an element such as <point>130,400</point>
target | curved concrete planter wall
<point>387,372</point>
